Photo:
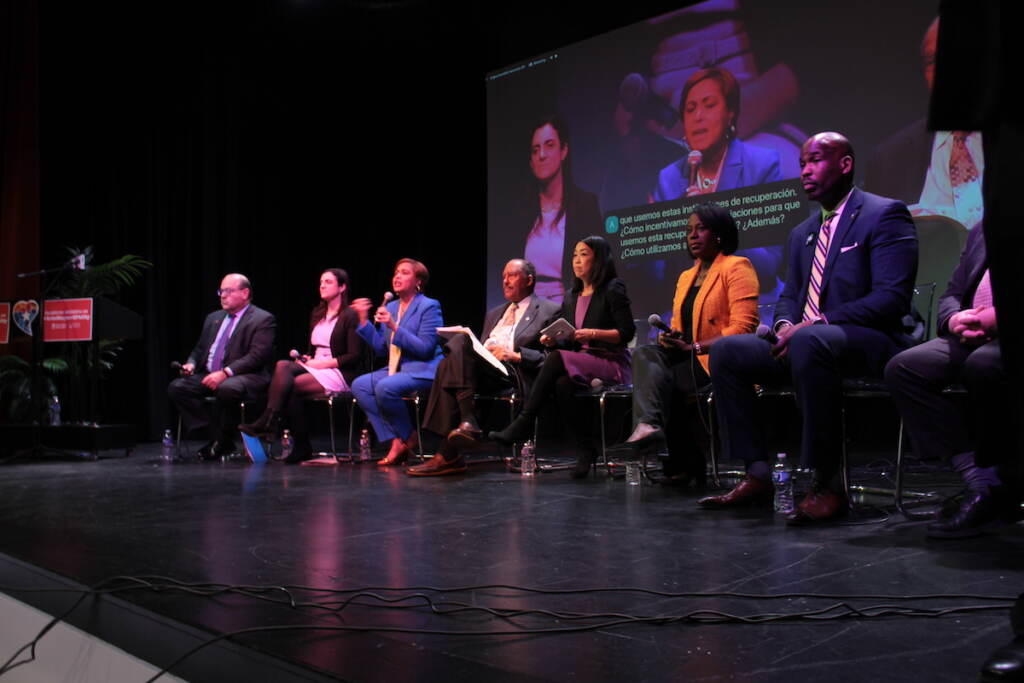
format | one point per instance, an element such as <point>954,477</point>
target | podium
<point>89,320</point>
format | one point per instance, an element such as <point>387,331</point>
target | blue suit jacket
<point>744,165</point>
<point>416,336</point>
<point>870,270</point>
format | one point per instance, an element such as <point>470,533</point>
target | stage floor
<point>398,537</point>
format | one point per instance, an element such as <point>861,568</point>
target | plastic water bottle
<point>633,473</point>
<point>528,460</point>
<point>167,447</point>
<point>782,478</point>
<point>286,444</point>
<point>364,445</point>
<point>54,415</point>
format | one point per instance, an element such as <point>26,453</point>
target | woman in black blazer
<point>599,307</point>
<point>335,358</point>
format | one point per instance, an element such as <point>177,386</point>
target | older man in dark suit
<point>232,361</point>
<point>512,334</point>
<point>965,352</point>
<point>849,284</point>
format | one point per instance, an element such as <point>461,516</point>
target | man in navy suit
<point>511,333</point>
<point>965,352</point>
<point>849,283</point>
<point>232,361</point>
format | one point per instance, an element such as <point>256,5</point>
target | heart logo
<point>24,313</point>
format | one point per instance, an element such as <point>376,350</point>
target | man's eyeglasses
<point>228,290</point>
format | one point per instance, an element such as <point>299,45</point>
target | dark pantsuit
<point>936,425</point>
<point>818,359</point>
<point>187,393</point>
<point>460,374</point>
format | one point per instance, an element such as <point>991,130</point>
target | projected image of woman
<point>709,108</point>
<point>560,213</point>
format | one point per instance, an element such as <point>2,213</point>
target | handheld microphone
<point>293,354</point>
<point>654,320</point>
<point>388,296</point>
<point>693,160</point>
<point>176,365</point>
<point>766,333</point>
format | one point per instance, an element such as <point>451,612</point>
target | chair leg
<point>351,425</point>
<point>844,464</point>
<point>330,425</point>
<point>177,442</point>
<point>715,482</point>
<point>419,435</point>
<point>604,449</point>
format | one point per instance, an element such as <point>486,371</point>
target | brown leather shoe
<point>750,491</point>
<point>466,436</point>
<point>818,506</point>
<point>438,466</point>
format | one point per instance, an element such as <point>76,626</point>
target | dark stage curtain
<point>267,141</point>
<point>19,149</point>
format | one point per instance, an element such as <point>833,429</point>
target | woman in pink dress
<point>335,358</point>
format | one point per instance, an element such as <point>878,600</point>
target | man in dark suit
<point>965,352</point>
<point>232,361</point>
<point>849,284</point>
<point>512,334</point>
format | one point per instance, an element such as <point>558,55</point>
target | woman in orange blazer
<point>715,298</point>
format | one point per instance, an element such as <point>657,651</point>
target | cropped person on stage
<point>965,352</point>
<point>405,332</point>
<point>512,334</point>
<point>231,361</point>
<point>849,285</point>
<point>335,358</point>
<point>715,298</point>
<point>599,307</point>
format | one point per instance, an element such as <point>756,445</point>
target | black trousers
<point>460,374</point>
<point>666,382</point>
<point>819,356</point>
<point>187,394</point>
<point>935,423</point>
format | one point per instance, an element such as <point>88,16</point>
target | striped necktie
<point>811,309</point>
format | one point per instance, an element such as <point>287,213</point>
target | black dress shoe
<point>466,436</point>
<point>977,512</point>
<point>1005,664</point>
<point>215,450</point>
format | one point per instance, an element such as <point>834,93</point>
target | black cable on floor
<point>419,597</point>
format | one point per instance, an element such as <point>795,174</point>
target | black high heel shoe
<point>266,427</point>
<point>520,430</point>
<point>584,461</point>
